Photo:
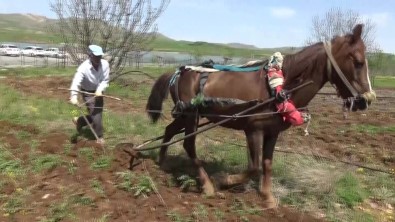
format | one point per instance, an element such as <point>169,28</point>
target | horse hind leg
<point>171,130</point>
<point>254,142</point>
<point>190,148</point>
<point>266,178</point>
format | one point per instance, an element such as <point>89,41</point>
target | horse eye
<point>358,64</point>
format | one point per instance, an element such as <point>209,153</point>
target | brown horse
<point>341,62</point>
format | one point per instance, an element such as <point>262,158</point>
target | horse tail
<point>159,93</point>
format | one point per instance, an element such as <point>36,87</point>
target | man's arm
<point>106,79</point>
<point>76,83</point>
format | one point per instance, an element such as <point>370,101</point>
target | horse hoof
<point>208,190</point>
<point>220,180</point>
<point>270,203</point>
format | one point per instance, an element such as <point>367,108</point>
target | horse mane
<point>300,65</point>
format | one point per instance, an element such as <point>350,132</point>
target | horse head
<point>348,69</point>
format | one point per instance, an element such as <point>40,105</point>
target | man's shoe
<point>78,126</point>
<point>100,141</point>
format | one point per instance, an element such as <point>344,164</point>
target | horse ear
<point>357,32</point>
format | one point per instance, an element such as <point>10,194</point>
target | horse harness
<point>199,100</point>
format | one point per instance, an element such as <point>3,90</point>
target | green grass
<point>13,205</point>
<point>125,180</point>
<point>103,162</point>
<point>350,190</point>
<point>371,129</point>
<point>304,183</point>
<point>144,186</point>
<point>45,162</point>
<point>38,71</point>
<point>87,153</point>
<point>97,186</point>
<point>9,164</point>
<point>47,114</point>
<point>387,82</point>
<point>27,36</point>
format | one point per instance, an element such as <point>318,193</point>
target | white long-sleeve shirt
<point>89,79</point>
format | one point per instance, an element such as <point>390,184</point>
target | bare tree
<point>119,26</point>
<point>340,22</point>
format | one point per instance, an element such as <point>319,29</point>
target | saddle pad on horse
<point>232,68</point>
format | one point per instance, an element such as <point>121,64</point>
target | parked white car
<point>33,51</point>
<point>10,50</point>
<point>54,52</point>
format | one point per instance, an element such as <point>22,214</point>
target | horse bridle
<point>366,98</point>
<point>331,61</point>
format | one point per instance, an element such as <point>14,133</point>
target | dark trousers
<point>95,110</point>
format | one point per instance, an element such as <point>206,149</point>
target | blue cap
<point>96,50</point>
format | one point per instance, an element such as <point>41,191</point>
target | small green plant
<point>243,209</point>
<point>104,218</point>
<point>67,148</point>
<point>102,163</point>
<point>97,187</point>
<point>71,167</point>
<point>126,178</point>
<point>59,212</point>
<point>22,135</point>
<point>219,215</point>
<point>45,162</point>
<point>361,217</point>
<point>176,217</point>
<point>13,205</point>
<point>186,182</point>
<point>81,200</point>
<point>200,213</point>
<point>9,164</point>
<point>383,194</point>
<point>144,187</point>
<point>11,168</point>
<point>244,218</point>
<point>87,153</point>
<point>64,210</point>
<point>349,190</point>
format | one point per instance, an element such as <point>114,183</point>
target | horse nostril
<point>361,103</point>
<point>369,96</point>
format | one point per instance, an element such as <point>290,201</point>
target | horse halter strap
<point>331,59</point>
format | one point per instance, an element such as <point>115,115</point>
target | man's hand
<point>98,93</point>
<point>282,96</point>
<point>74,100</point>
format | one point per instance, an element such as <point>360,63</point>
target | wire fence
<point>133,59</point>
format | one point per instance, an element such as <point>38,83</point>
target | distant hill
<point>25,28</point>
<point>31,28</point>
<point>241,46</point>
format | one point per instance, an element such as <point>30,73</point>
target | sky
<point>263,23</point>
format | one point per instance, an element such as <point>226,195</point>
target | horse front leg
<point>172,129</point>
<point>190,148</point>
<point>266,178</point>
<point>254,144</point>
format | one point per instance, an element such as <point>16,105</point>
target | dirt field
<point>330,136</point>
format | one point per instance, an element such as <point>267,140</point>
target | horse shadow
<point>178,165</point>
